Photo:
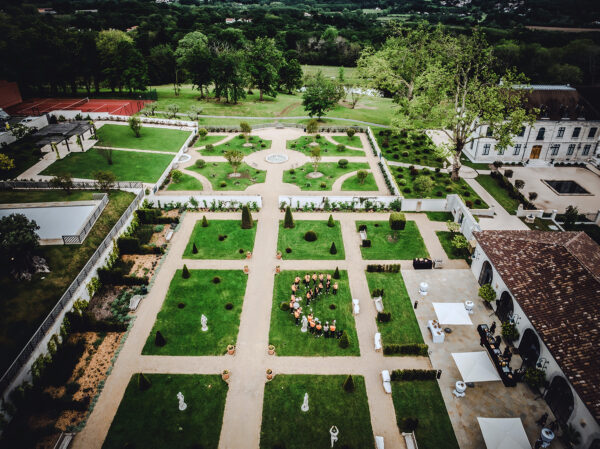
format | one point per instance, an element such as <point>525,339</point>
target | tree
<point>290,75</point>
<point>344,340</point>
<point>350,132</point>
<point>349,384</point>
<point>460,241</point>
<point>202,132</point>
<point>312,126</point>
<point>264,61</point>
<point>234,158</point>
<point>454,86</point>
<point>194,248</point>
<point>64,182</point>
<point>6,163</point>
<point>143,382</point>
<point>315,157</point>
<point>122,64</point>
<point>571,215</point>
<point>194,113</point>
<point>136,125</point>
<point>246,129</point>
<point>321,95</point>
<point>229,72</point>
<point>18,241</point>
<point>288,221</point>
<point>19,130</point>
<point>172,110</point>
<point>204,222</point>
<point>330,34</point>
<point>332,248</point>
<point>487,293</point>
<point>105,179</point>
<point>423,185</point>
<point>519,184</point>
<point>161,65</point>
<point>185,273</point>
<point>336,273</point>
<point>397,221</point>
<point>362,176</point>
<point>453,226</point>
<point>330,221</point>
<point>193,55</point>
<point>247,222</point>
<point>106,153</point>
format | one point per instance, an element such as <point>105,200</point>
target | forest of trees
<point>72,50</point>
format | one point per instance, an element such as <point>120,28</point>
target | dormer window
<point>541,133</point>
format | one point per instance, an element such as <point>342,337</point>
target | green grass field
<point>445,238</point>
<point>501,195</point>
<point>333,72</point>
<point>24,305</point>
<point>353,184</point>
<point>423,400</point>
<point>464,160</point>
<point>218,175</point>
<point>403,328</point>
<point>222,239</point>
<point>157,139</point>
<point>319,249</point>
<point>440,216</point>
<point>302,144</point>
<point>330,170</point>
<point>200,294</point>
<point>127,165</point>
<point>151,419</point>
<point>237,144</point>
<point>284,425</point>
<point>286,336</point>
<point>411,148</point>
<point>404,245</point>
<point>345,140</point>
<point>187,182</point>
<point>42,196</point>
<point>208,139</point>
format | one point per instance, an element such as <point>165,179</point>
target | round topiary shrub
<point>200,163</point>
<point>332,306</point>
<point>181,305</point>
<point>285,306</point>
<point>449,189</point>
<point>288,250</point>
<point>343,163</point>
<point>406,190</point>
<point>402,182</point>
<point>469,204</point>
<point>323,185</point>
<point>216,280</point>
<point>438,193</point>
<point>222,237</point>
<point>292,171</point>
<point>241,250</point>
<point>223,184</point>
<point>477,201</point>
<point>310,236</point>
<point>405,154</point>
<point>229,306</point>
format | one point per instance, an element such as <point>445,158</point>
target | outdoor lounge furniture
<point>379,442</point>
<point>410,439</point>
<point>169,236</point>
<point>509,379</point>
<point>422,264</point>
<point>378,341</point>
<point>387,381</point>
<point>355,306</point>
<point>378,304</point>
<point>437,333</point>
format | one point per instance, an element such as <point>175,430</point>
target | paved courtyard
<point>244,403</point>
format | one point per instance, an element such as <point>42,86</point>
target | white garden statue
<point>304,327</point>
<point>304,406</point>
<point>334,432</point>
<point>182,404</point>
<point>203,321</point>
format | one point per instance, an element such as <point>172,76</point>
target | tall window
<point>541,133</point>
<point>586,150</point>
<point>561,131</point>
<point>517,149</point>
<point>486,149</point>
<point>500,150</point>
<point>488,133</point>
<point>571,150</point>
<point>592,132</point>
<point>554,149</point>
<point>522,132</point>
<point>576,131</point>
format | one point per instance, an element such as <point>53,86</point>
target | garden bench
<point>378,304</point>
<point>378,342</point>
<point>379,442</point>
<point>169,236</point>
<point>134,302</point>
<point>363,235</point>
<point>410,440</point>
<point>355,307</point>
<point>387,381</point>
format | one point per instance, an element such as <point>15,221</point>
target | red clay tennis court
<point>39,106</point>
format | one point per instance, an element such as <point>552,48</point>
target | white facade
<point>580,418</point>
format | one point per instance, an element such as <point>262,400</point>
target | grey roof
<point>61,131</point>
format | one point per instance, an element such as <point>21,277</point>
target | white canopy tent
<point>504,433</point>
<point>475,366</point>
<point>452,313</point>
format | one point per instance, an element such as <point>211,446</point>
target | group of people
<point>309,289</point>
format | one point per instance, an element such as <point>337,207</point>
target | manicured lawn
<point>539,224</point>
<point>151,138</point>
<point>218,175</point>
<point>445,238</point>
<point>151,419</point>
<point>345,140</point>
<point>501,195</point>
<point>24,305</point>
<point>423,400</point>
<point>403,328</point>
<point>222,239</point>
<point>327,148</point>
<point>405,245</point>
<point>409,147</point>
<point>329,404</point>
<point>464,160</point>
<point>237,143</point>
<point>352,183</point>
<point>200,295</point>
<point>127,165</point>
<point>442,187</point>
<point>208,139</point>
<point>286,336</point>
<point>24,153</point>
<point>41,196</point>
<point>440,216</point>
<point>331,171</point>
<point>187,182</point>
<point>319,249</point>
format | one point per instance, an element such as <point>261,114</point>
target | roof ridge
<point>582,262</point>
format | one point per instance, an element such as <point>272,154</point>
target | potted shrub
<point>279,254</point>
<point>535,377</point>
<point>510,331</point>
<point>278,269</point>
<point>246,269</point>
<point>225,375</point>
<point>487,293</point>
<point>249,255</point>
<point>271,349</point>
<point>269,374</point>
<point>230,349</point>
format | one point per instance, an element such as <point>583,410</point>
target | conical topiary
<point>330,222</point>
<point>288,222</point>
<point>336,273</point>
<point>349,384</point>
<point>143,382</point>
<point>332,249</point>
<point>345,340</point>
<point>247,222</point>
<point>159,340</point>
<point>185,273</point>
<point>194,249</point>
<point>204,222</point>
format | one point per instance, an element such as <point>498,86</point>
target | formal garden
<point>409,147</point>
<point>360,182</point>
<point>220,239</point>
<point>150,414</point>
<point>311,239</point>
<point>225,176</point>
<point>150,139</point>
<point>208,139</point>
<point>307,177</point>
<point>324,308</point>
<point>216,294</point>
<point>339,401</point>
<point>385,243</point>
<point>306,144</point>
<point>179,181</point>
<point>349,140</point>
<point>244,143</point>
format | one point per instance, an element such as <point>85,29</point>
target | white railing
<point>77,239</point>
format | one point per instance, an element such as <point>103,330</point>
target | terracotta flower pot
<point>269,374</point>
<point>277,269</point>
<point>225,375</point>
<point>279,254</point>
<point>230,349</point>
<point>248,255</point>
<point>271,349</point>
<point>246,269</point>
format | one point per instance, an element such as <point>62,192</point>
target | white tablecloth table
<point>437,334</point>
